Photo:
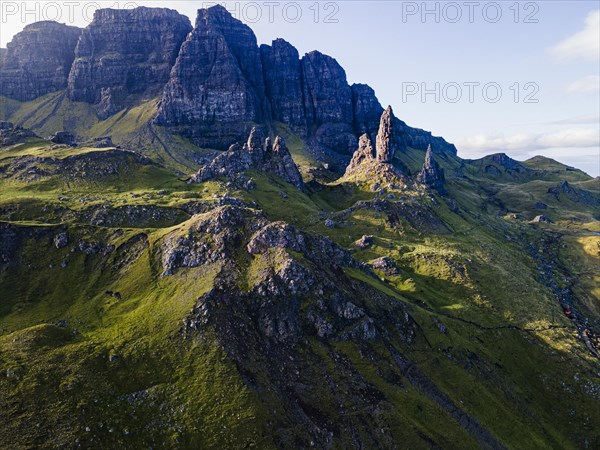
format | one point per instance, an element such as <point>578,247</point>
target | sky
<point>518,77</point>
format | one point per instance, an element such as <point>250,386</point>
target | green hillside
<point>140,310</point>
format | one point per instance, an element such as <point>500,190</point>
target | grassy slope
<point>129,128</point>
<point>510,357</point>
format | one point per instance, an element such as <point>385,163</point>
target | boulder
<point>542,219</point>
<point>364,242</point>
<point>386,265</point>
<point>64,138</point>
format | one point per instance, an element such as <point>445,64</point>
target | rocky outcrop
<point>386,265</point>
<point>258,153</point>
<point>575,194</point>
<point>365,242</point>
<point>90,166</point>
<point>321,250</point>
<point>37,61</point>
<point>386,144</point>
<point>364,154</point>
<point>125,52</point>
<point>365,167</point>
<point>501,165</point>
<point>63,138</point>
<point>432,175</point>
<point>11,134</point>
<point>282,74</point>
<point>505,161</point>
<point>217,83</point>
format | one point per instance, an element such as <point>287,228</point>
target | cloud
<point>525,143</point>
<point>584,44</point>
<point>584,119</point>
<point>586,85</point>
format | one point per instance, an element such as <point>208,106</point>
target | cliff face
<point>3,53</point>
<point>367,109</point>
<point>37,61</point>
<point>328,97</point>
<point>282,72</point>
<point>124,52</point>
<point>223,84</point>
<point>217,81</point>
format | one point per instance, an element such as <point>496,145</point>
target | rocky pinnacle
<point>432,175</point>
<point>386,140</point>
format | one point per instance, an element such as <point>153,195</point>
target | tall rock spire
<point>432,175</point>
<point>386,142</point>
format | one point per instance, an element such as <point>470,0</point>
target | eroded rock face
<point>223,84</point>
<point>432,175</point>
<point>124,52</point>
<point>37,61</point>
<point>258,153</point>
<point>217,83</point>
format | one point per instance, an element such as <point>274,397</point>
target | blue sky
<point>532,68</point>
